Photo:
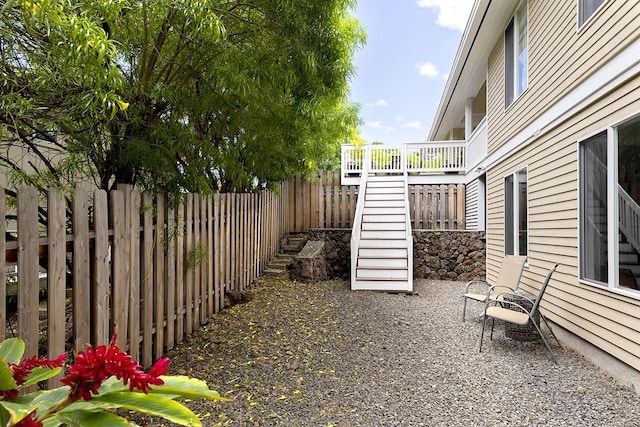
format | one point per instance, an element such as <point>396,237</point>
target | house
<point>553,87</point>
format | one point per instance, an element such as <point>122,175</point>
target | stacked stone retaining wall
<point>439,255</point>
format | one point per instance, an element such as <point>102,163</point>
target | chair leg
<point>484,321</point>
<point>464,309</point>
<point>544,340</point>
<point>550,330</point>
<point>493,324</point>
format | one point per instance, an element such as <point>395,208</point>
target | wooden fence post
<point>100,307</point>
<point>81,298</point>
<point>56,277</point>
<point>28,268</point>
<point>119,269</point>
<point>169,243</point>
<point>147,272</point>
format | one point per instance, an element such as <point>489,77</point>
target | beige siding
<point>607,319</point>
<point>560,58</point>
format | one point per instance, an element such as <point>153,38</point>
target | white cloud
<point>379,125</point>
<point>412,125</point>
<point>452,14</point>
<point>379,103</point>
<point>427,69</point>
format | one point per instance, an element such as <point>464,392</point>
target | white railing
<point>436,157</point>
<point>416,158</point>
<point>357,219</point>
<point>629,218</point>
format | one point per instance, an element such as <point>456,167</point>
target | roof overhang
<point>486,24</point>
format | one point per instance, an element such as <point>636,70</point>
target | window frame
<point>582,12</point>
<point>512,230</point>
<point>613,261</point>
<point>514,79</point>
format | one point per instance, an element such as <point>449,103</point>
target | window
<point>515,213</point>
<point>586,8</point>
<point>609,192</point>
<point>516,55</point>
<point>593,209</point>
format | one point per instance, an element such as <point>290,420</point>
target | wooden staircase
<point>381,241</point>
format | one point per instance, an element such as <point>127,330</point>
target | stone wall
<point>439,255</point>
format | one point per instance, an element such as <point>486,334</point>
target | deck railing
<point>416,158</point>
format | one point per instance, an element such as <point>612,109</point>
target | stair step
<point>385,184</point>
<point>384,225</point>
<point>383,218</point>
<point>375,243</point>
<point>387,274</point>
<point>385,190</point>
<point>379,263</point>
<point>626,248</point>
<point>382,285</point>
<point>383,203</point>
<point>384,196</point>
<point>626,258</point>
<point>388,210</point>
<point>635,268</point>
<point>383,234</point>
<point>383,252</point>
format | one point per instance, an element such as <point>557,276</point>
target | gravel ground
<point>320,355</point>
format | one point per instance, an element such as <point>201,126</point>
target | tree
<point>196,95</point>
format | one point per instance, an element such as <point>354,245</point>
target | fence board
<point>132,204</point>
<point>189,283</point>
<point>56,277</point>
<point>119,268</point>
<point>100,272</point>
<point>147,271</point>
<point>159,285</point>
<point>217,253</point>
<point>169,242</point>
<point>81,298</point>
<point>180,273</point>
<point>195,260</point>
<point>28,268</point>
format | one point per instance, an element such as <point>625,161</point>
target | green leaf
<point>11,350</point>
<point>185,387</point>
<point>16,411</point>
<point>6,377</point>
<point>87,419</point>
<point>152,405</point>
<point>40,374</point>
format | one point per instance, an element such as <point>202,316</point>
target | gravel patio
<point>320,355</point>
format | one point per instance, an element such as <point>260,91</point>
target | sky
<point>402,70</point>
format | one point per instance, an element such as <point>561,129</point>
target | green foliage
<point>197,256</point>
<point>59,407</point>
<point>201,95</point>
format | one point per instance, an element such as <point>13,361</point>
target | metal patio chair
<point>508,279</point>
<point>511,312</point>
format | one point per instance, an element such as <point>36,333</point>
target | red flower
<point>22,370</point>
<point>91,368</point>
<point>29,421</point>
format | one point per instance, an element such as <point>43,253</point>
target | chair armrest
<point>478,283</point>
<point>499,299</point>
<point>509,290</point>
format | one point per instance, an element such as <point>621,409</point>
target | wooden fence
<point>152,272</point>
<point>139,268</point>
<point>324,203</point>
